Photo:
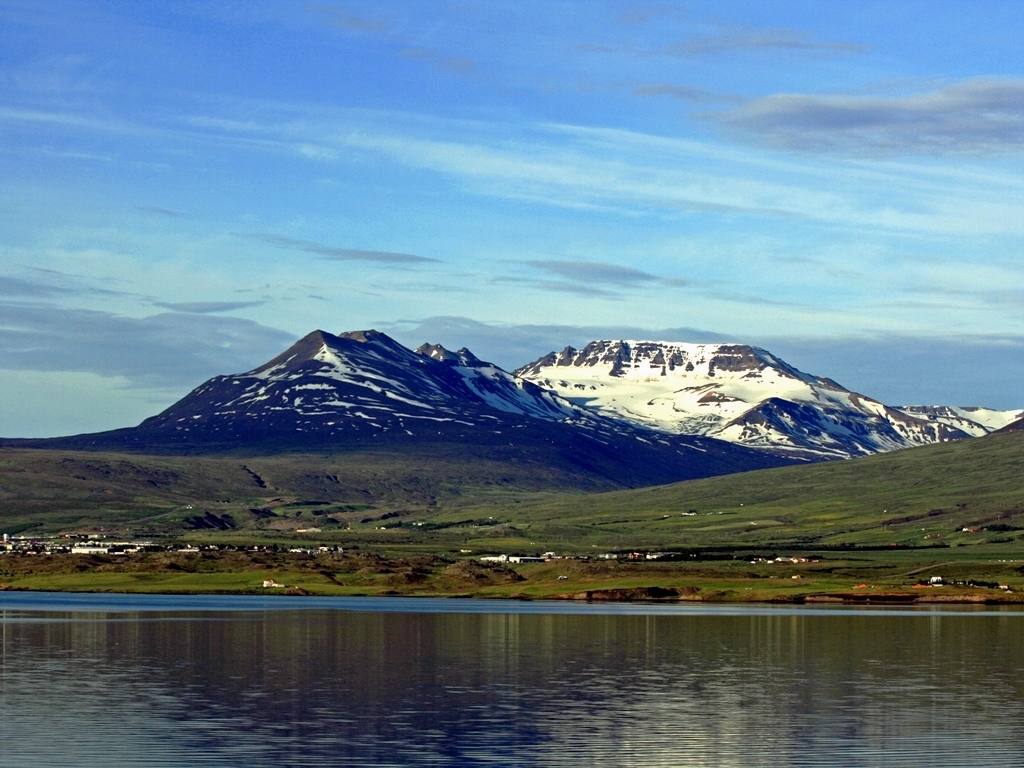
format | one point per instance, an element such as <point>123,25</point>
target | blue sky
<point>185,187</point>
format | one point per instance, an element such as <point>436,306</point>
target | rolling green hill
<point>441,508</point>
<point>46,491</point>
<point>916,497</point>
<point>445,500</point>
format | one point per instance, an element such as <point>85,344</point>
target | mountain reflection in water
<point>321,686</point>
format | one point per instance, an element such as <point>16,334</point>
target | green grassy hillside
<point>916,497</point>
<point>437,501</point>
<point>426,515</point>
<point>46,491</point>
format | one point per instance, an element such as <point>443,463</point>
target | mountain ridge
<point>745,395</point>
<point>620,402</point>
<point>362,390</point>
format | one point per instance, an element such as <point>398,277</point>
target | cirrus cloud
<point>339,254</point>
<point>594,279</point>
<point>594,272</point>
<point>750,39</point>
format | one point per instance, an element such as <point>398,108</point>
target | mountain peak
<point>641,358</point>
<point>366,336</point>
<point>363,385</point>
<point>436,352</point>
<point>303,349</point>
<point>439,353</point>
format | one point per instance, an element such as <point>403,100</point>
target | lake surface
<point>91,680</point>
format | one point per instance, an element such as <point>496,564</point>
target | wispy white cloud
<point>68,119</point>
<point>626,176</point>
<point>594,272</point>
<point>340,254</point>
<point>162,211</point>
<point>592,278</point>
<point>715,39</point>
<point>442,61</point>
<point>751,39</point>
<point>570,176</point>
<point>628,172</point>
<point>343,18</point>
<point>558,286</point>
<point>640,14</point>
<point>688,93</point>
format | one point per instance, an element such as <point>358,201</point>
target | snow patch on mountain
<point>973,420</point>
<point>364,384</point>
<point>738,393</point>
<point>346,383</point>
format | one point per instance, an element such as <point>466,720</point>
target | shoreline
<point>876,581</point>
<point>28,606</point>
<point>632,595</point>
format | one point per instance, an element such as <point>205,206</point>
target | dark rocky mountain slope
<point>363,390</point>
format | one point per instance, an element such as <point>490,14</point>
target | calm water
<point>157,681</point>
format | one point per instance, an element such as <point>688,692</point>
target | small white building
<point>90,549</point>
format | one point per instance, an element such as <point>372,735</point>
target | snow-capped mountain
<point>972,420</point>
<point>363,390</point>
<point>744,395</point>
<point>630,412</point>
<point>363,381</point>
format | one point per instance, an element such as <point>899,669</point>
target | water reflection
<point>322,686</point>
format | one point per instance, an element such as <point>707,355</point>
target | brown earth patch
<point>633,593</point>
<point>478,573</point>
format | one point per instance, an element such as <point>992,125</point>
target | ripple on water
<point>128,682</point>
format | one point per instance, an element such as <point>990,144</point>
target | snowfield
<point>744,395</point>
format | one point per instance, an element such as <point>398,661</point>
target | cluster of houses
<point>69,545</point>
<point>638,555</point>
<point>519,558</point>
<point>95,544</point>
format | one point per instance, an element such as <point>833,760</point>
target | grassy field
<point>877,522</point>
<point>918,497</point>
<point>923,497</point>
<point>995,577</point>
